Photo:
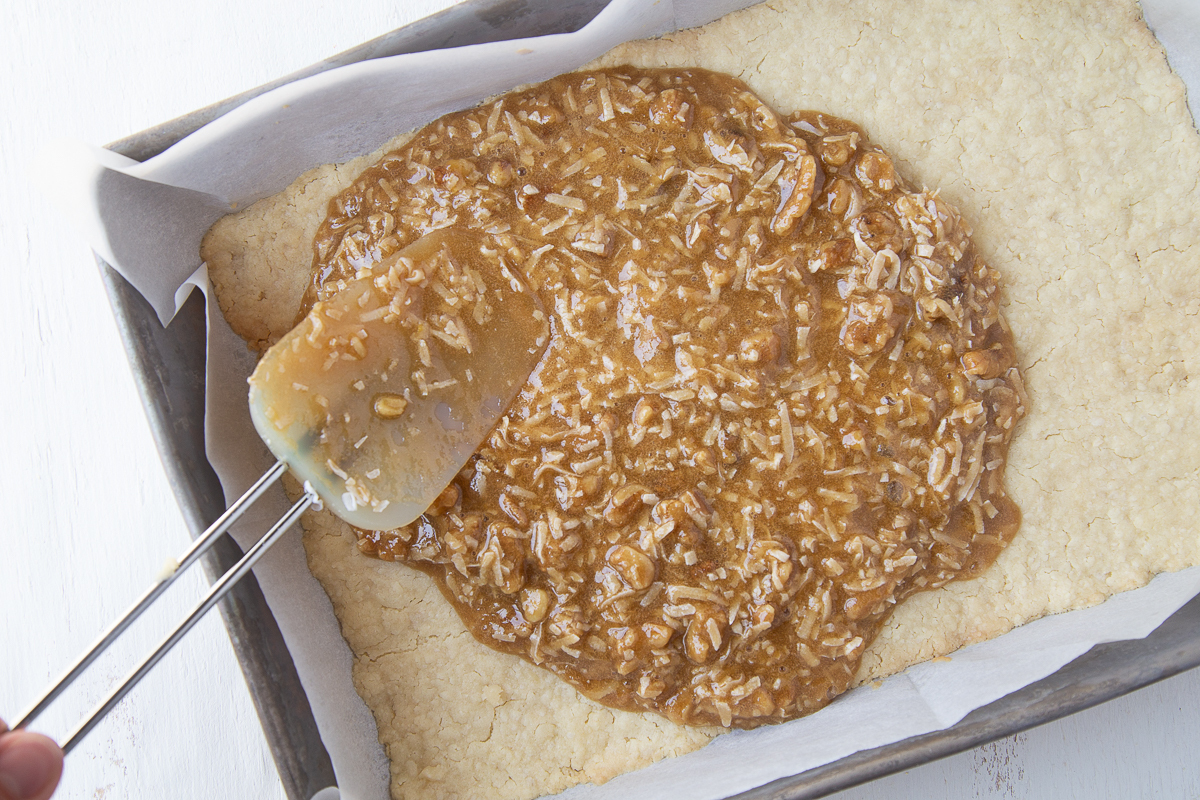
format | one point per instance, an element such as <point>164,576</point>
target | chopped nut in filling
<point>776,400</point>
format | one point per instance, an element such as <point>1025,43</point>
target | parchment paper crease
<point>147,221</point>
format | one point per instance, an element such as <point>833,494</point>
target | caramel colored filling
<point>776,400</point>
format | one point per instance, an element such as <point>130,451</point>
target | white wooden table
<point>89,518</point>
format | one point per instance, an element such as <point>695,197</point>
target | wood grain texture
<point>90,518</point>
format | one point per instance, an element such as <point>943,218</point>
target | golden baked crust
<point>258,258</point>
<point>1060,132</point>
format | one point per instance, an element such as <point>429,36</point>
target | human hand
<point>30,765</point>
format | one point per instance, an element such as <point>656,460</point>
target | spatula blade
<point>382,393</point>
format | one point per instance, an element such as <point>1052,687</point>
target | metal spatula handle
<point>227,581</point>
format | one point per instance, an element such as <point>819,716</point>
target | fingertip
<point>30,766</point>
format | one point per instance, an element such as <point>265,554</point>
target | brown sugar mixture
<point>776,400</point>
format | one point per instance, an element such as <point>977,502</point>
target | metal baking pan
<point>168,368</point>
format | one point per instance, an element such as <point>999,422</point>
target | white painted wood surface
<point>89,518</point>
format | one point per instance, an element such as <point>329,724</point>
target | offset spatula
<point>375,401</point>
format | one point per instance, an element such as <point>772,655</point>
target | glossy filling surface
<point>776,400</point>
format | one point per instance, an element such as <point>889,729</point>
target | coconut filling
<point>776,400</point>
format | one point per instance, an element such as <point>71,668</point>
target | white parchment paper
<point>147,220</point>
